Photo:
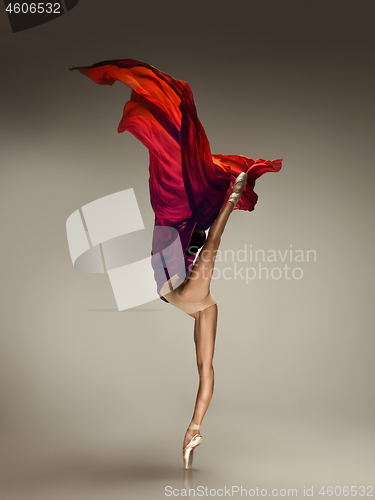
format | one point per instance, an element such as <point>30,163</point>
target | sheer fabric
<point>188,185</point>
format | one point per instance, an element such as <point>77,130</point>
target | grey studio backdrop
<point>95,402</point>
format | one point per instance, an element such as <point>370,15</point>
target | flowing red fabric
<point>188,185</point>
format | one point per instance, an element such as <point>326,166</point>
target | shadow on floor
<point>125,311</point>
<point>92,472</point>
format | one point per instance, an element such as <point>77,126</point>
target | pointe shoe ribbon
<point>193,426</point>
<point>194,441</point>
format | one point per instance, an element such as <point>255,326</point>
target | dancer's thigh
<point>197,286</point>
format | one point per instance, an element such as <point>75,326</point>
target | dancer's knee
<point>205,369</point>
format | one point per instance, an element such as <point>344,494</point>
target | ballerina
<point>191,190</point>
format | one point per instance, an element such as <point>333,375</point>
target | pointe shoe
<point>187,451</point>
<point>238,187</point>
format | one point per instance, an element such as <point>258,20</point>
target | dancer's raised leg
<point>197,286</point>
